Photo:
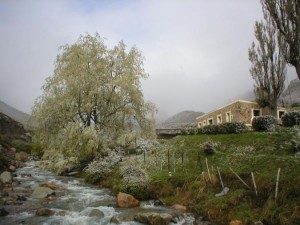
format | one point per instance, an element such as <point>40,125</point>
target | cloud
<point>195,50</point>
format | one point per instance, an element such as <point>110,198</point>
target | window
<point>228,117</point>
<point>256,112</point>
<point>199,124</point>
<point>219,119</point>
<point>204,122</point>
<point>280,113</point>
<point>210,121</point>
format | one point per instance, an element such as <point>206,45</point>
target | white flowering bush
<point>102,166</point>
<point>147,144</point>
<point>264,123</point>
<point>135,181</point>
<point>209,147</point>
<point>296,139</point>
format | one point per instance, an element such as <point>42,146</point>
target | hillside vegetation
<point>181,119</point>
<point>14,113</point>
<point>179,175</point>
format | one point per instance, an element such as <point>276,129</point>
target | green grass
<point>259,152</point>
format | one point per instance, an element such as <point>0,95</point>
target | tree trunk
<point>297,66</point>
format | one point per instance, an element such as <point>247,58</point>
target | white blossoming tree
<point>93,99</point>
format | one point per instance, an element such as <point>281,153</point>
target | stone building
<point>238,111</point>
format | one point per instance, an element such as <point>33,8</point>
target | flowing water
<point>74,202</point>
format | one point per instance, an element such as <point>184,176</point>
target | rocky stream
<point>37,196</point>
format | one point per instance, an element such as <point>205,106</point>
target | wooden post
<point>169,160</point>
<point>174,162</point>
<point>208,169</point>
<point>254,183</point>
<point>220,178</point>
<point>239,178</point>
<point>277,182</point>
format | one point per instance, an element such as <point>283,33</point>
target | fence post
<point>168,159</point>
<point>254,183</point>
<point>277,181</point>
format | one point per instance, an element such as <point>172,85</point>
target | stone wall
<point>238,111</point>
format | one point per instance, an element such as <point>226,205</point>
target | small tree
<point>268,65</point>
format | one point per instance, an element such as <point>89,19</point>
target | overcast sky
<point>195,50</point>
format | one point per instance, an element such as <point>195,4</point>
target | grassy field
<point>190,184</point>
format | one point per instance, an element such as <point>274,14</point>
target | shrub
<point>209,147</point>
<point>224,128</point>
<point>264,123</point>
<point>290,119</point>
<point>103,166</point>
<point>296,140</point>
<point>21,145</point>
<point>135,181</point>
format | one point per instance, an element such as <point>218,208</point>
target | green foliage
<point>37,150</point>
<point>3,162</point>
<point>264,123</point>
<point>21,145</point>
<point>258,152</point>
<point>290,119</point>
<point>135,181</point>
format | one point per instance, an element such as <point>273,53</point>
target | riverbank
<point>71,201</point>
<point>182,172</point>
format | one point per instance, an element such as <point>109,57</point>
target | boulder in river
<point>96,213</point>
<point>44,212</point>
<point>179,207</point>
<point>3,212</point>
<point>126,201</point>
<point>236,222</point>
<point>153,218</point>
<point>42,192</point>
<point>49,185</point>
<point>21,156</point>
<point>6,177</point>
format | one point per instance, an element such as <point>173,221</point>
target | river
<point>73,204</point>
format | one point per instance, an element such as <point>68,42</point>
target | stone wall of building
<point>238,111</point>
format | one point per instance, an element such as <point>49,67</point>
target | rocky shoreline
<point>39,199</point>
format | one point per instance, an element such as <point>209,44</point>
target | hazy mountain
<point>180,119</point>
<point>292,93</point>
<point>14,113</point>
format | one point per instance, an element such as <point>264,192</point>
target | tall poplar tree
<point>268,64</point>
<point>286,16</point>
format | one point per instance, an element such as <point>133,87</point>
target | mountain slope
<point>14,113</point>
<point>180,119</point>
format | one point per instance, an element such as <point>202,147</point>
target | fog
<point>196,51</point>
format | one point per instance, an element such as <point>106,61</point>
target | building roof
<point>244,101</point>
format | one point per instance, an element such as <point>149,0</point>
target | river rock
<point>179,207</point>
<point>236,222</point>
<point>119,219</point>
<point>126,201</point>
<point>42,192</point>
<point>44,212</point>
<point>6,177</point>
<point>153,218</point>
<point>12,168</point>
<point>96,213</point>
<point>49,185</point>
<point>21,156</point>
<point>3,212</point>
